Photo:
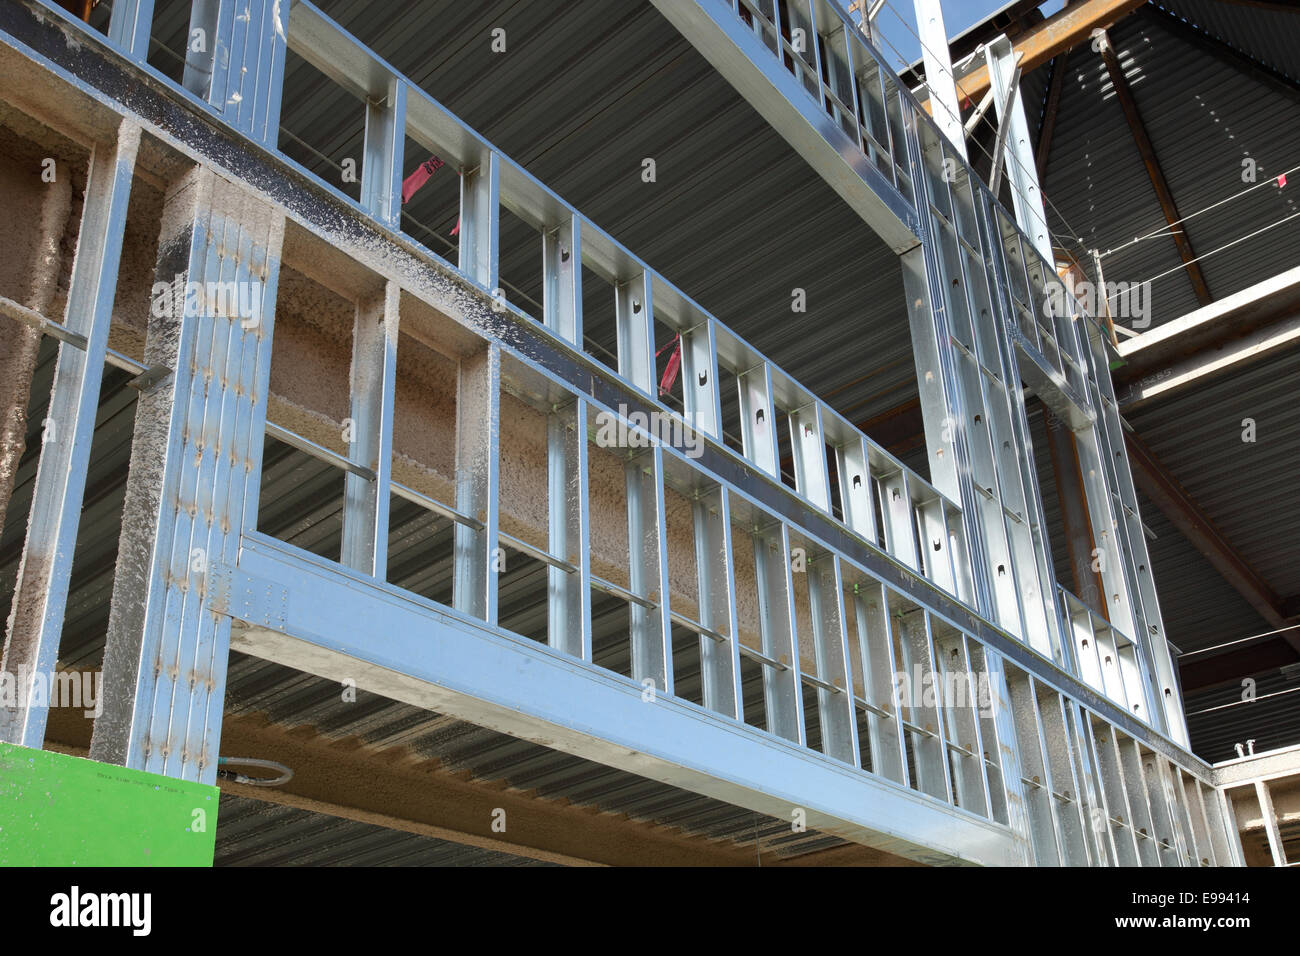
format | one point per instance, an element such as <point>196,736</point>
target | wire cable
<point>1240,640</point>
<point>983,117</point>
<point>1163,229</point>
<point>1206,255</point>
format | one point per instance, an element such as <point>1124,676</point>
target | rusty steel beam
<point>1087,584</point>
<point>1168,494</point>
<point>1124,93</point>
<point>1054,87</point>
<point>1064,31</point>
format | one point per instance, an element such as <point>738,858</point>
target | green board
<point>57,810</point>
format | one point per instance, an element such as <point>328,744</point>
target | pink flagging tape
<point>412,183</point>
<point>674,364</point>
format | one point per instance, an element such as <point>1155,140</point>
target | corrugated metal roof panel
<point>1247,488</point>
<point>1222,716</point>
<point>1268,35</point>
<point>294,699</point>
<point>255,833</point>
<point>587,91</point>
<point>1204,117</point>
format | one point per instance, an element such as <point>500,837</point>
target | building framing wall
<point>948,581</point>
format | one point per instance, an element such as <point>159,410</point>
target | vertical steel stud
<point>41,590</point>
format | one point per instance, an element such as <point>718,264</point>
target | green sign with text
<point>57,810</point>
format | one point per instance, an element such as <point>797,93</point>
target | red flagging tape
<point>412,183</point>
<point>674,364</point>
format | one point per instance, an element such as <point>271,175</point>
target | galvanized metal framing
<point>650,617</point>
<point>782,687</point>
<point>715,584</point>
<point>1021,167</point>
<point>381,166</point>
<point>128,27</point>
<point>478,463</point>
<point>236,62</point>
<point>836,714</point>
<point>480,221</point>
<point>1250,775</point>
<point>569,585</point>
<point>939,79</point>
<point>909,571</point>
<point>41,592</point>
<point>443,661</point>
<point>636,331</point>
<point>971,400</point>
<point>1002,754</point>
<point>562,289</point>
<point>192,487</point>
<point>751,56</point>
<point>700,394</point>
<point>758,425</point>
<point>370,433</point>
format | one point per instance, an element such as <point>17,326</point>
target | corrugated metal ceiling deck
<point>587,91</point>
<point>255,833</point>
<point>1204,116</point>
